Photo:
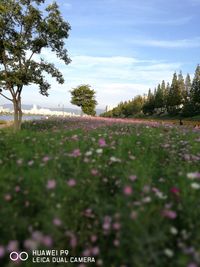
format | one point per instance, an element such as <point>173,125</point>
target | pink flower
<point>192,264</point>
<point>17,188</point>
<point>93,238</point>
<point>94,172</point>
<point>37,236</point>
<point>86,252</point>
<point>116,226</point>
<point>2,251</point>
<point>102,142</point>
<point>174,190</point>
<point>46,158</point>
<point>47,241</point>
<point>51,184</point>
<point>132,177</point>
<point>127,190</point>
<point>30,163</point>
<point>7,197</point>
<point>95,251</point>
<point>57,221</point>
<point>169,214</point>
<point>73,241</point>
<point>76,153</point>
<point>12,246</point>
<point>30,244</point>
<point>71,182</point>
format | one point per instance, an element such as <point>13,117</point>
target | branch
<point>6,97</point>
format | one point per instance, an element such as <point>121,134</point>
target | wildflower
<point>95,251</point>
<point>46,159</point>
<point>30,244</point>
<point>2,251</point>
<point>193,175</point>
<point>170,214</point>
<point>102,142</point>
<point>173,230</point>
<point>99,151</point>
<point>192,264</point>
<point>169,253</point>
<point>127,190</point>
<point>76,153</point>
<point>73,241</point>
<point>94,172</point>
<point>7,197</point>
<point>88,153</point>
<point>17,188</point>
<point>195,186</point>
<point>133,215</point>
<point>47,241</point>
<point>37,236</point>
<point>31,162</point>
<point>174,190</point>
<point>93,238</point>
<point>116,243</point>
<point>71,182</point>
<point>57,222</point>
<point>132,177</point>
<point>116,226</point>
<point>114,159</point>
<point>12,246</point>
<point>51,184</point>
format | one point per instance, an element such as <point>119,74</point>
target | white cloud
<point>184,43</point>
<point>114,78</point>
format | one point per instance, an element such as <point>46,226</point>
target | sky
<point>122,48</point>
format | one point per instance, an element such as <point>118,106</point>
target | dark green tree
<point>175,96</point>
<point>149,105</point>
<point>195,91</point>
<point>25,30</point>
<point>83,96</point>
<point>188,85</point>
<point>159,98</point>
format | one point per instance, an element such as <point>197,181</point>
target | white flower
<point>169,253</point>
<point>114,159</point>
<point>173,230</point>
<point>193,175</point>
<point>88,153</point>
<point>99,151</point>
<point>195,186</point>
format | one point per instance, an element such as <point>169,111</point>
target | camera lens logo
<point>23,256</point>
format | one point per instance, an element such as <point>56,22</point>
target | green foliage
<point>83,96</point>
<point>195,91</point>
<point>127,109</point>
<point>181,98</point>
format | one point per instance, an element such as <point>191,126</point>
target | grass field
<point>127,194</point>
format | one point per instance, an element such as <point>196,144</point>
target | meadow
<point>126,193</point>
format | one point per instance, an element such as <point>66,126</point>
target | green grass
<point>105,211</point>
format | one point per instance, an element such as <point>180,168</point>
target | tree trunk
<point>17,114</point>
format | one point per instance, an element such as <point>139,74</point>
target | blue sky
<point>123,47</point>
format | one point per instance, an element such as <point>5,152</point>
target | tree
<point>25,31</point>
<point>195,91</point>
<point>83,96</point>
<point>175,96</point>
<point>159,97</point>
<point>188,85</point>
<point>149,105</point>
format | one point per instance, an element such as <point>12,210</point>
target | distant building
<point>46,112</point>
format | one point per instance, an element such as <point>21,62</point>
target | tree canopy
<point>83,96</point>
<point>26,28</point>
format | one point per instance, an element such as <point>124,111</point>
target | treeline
<point>181,97</point>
